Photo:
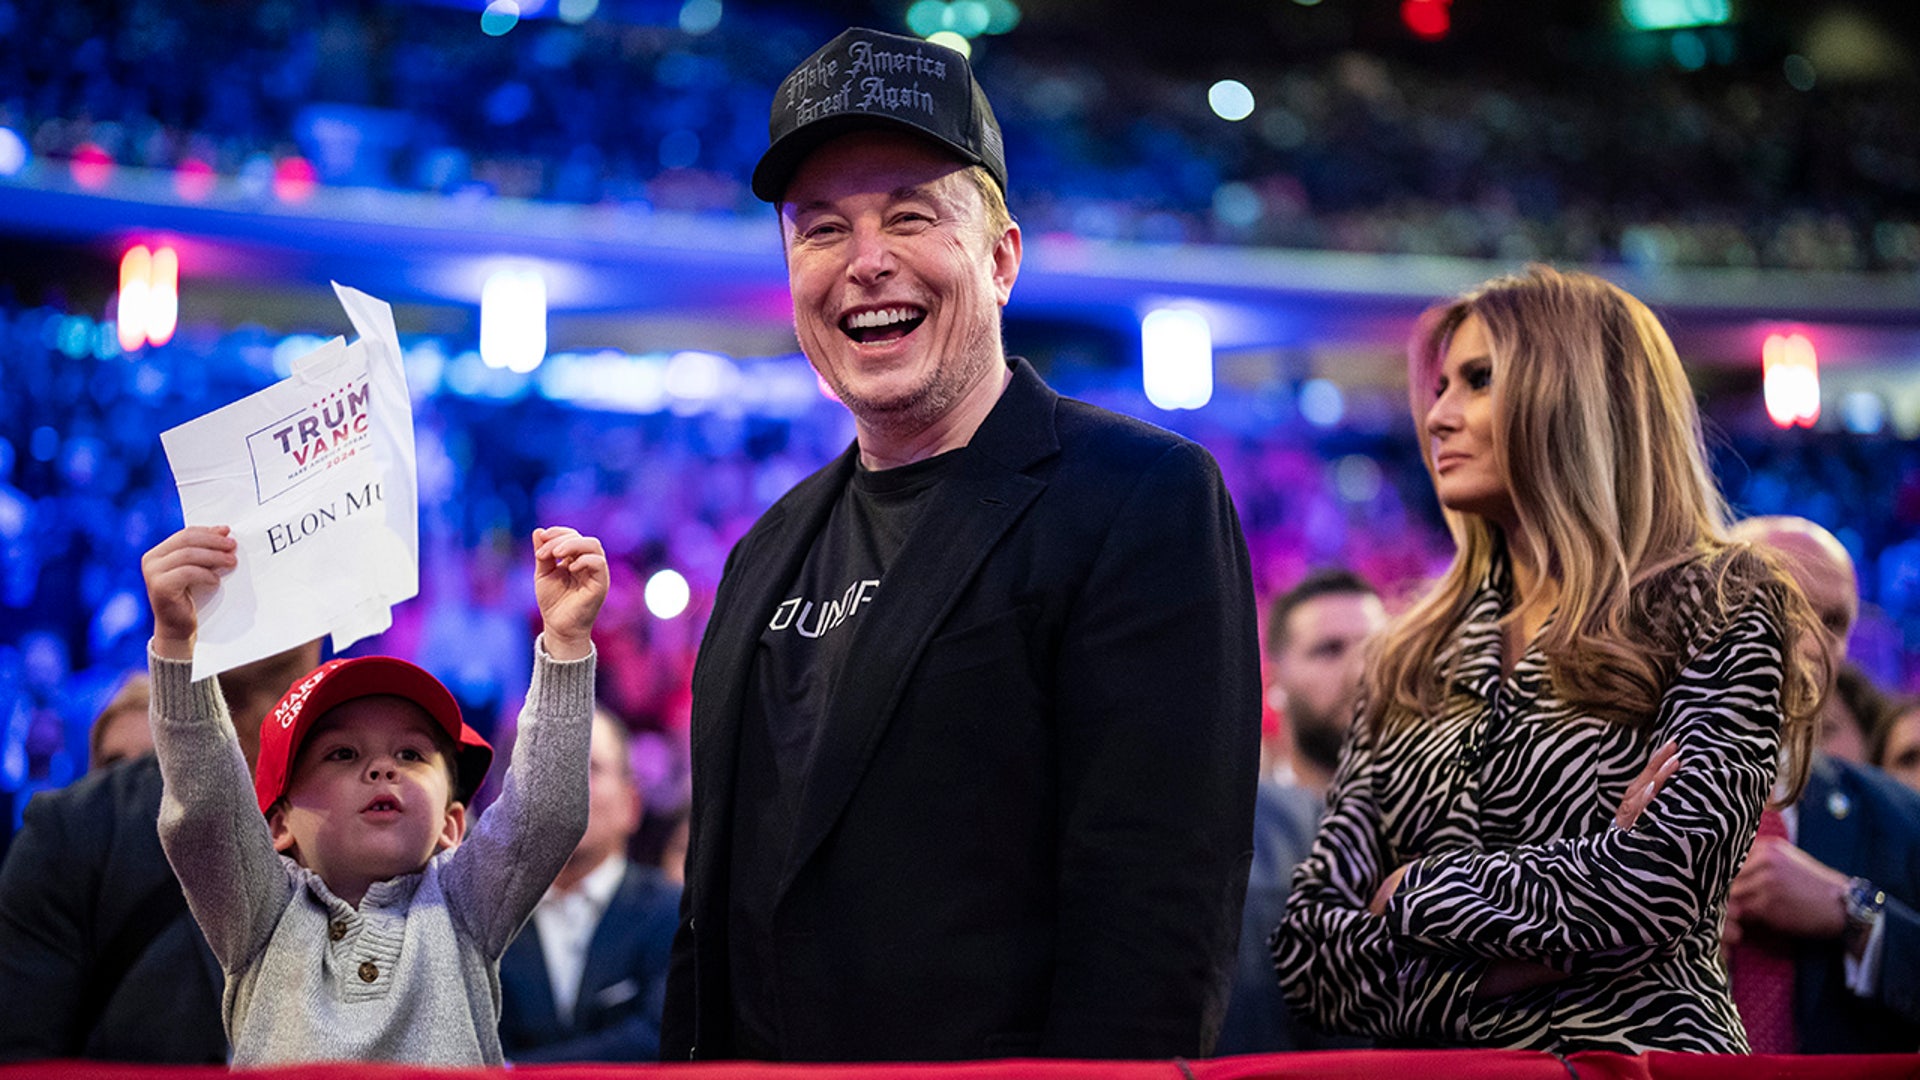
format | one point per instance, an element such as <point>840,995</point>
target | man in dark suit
<point>99,957</point>
<point>1843,888</point>
<point>585,979</point>
<point>1317,634</point>
<point>976,717</point>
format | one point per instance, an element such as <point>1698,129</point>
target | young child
<point>354,912</point>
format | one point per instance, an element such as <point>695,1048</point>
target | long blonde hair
<point>1597,436</point>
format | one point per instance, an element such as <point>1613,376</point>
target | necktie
<point>1761,968</point>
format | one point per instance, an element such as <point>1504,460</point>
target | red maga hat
<point>337,682</point>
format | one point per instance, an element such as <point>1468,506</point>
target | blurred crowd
<point>85,489</point>
<point>1650,164</point>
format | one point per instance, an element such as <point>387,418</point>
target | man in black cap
<point>976,716</point>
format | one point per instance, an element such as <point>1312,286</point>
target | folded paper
<point>315,476</point>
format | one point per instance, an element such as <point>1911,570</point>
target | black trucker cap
<point>868,79</point>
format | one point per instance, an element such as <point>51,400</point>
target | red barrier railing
<point>1325,1065</point>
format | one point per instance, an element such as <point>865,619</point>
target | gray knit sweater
<point>413,974</point>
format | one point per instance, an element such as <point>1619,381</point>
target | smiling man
<point>976,716</point>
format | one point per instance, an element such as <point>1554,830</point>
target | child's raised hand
<point>192,558</point>
<point>570,582</point>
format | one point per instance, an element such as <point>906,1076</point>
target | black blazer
<point>1027,828</point>
<point>1862,823</point>
<point>617,1015</point>
<point>98,955</point>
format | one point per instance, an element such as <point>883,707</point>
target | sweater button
<point>338,930</point>
<point>368,972</point>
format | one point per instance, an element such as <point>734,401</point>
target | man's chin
<point>885,410</point>
<point>1319,742</point>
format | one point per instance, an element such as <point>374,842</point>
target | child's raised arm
<point>192,558</point>
<point>570,582</point>
<point>498,874</point>
<point>211,829</point>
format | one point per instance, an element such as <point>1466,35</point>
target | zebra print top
<point>1503,806</point>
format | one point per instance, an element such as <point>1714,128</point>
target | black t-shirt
<point>800,659</point>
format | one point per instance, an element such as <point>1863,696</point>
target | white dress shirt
<point>566,921</point>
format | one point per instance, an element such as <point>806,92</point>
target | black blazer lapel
<point>766,562</point>
<point>971,510</point>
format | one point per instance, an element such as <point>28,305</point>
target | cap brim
<point>777,166</point>
<point>387,676</point>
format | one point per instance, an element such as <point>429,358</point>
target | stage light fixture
<point>136,270</point>
<point>148,305</point>
<point>513,320</point>
<point>1790,379</point>
<point>163,297</point>
<point>1176,358</point>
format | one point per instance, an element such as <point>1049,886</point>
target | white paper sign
<point>315,474</point>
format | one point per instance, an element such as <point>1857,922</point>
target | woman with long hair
<point>1567,743</point>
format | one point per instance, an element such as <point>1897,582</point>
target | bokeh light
<point>957,42</point>
<point>667,594</point>
<point>1321,403</point>
<point>1799,72</point>
<point>1357,478</point>
<point>499,17</point>
<point>1428,19</point>
<point>699,17</point>
<point>13,152</point>
<point>1672,14</point>
<point>1689,50</point>
<point>294,179</point>
<point>194,180</point>
<point>1002,15</point>
<point>1237,205</point>
<point>1230,99</point>
<point>1863,412</point>
<point>92,166</point>
<point>970,18</point>
<point>927,17</point>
